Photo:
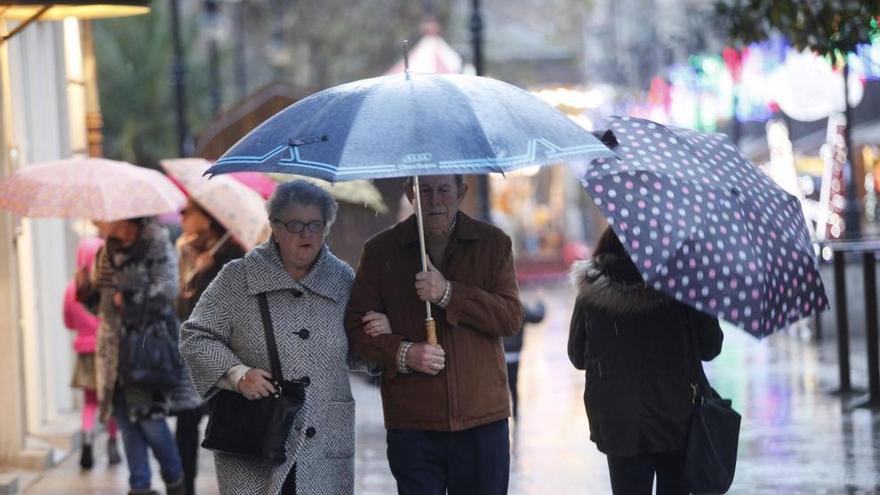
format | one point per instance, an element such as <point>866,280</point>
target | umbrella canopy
<point>411,124</point>
<point>707,227</point>
<point>93,188</point>
<point>236,207</point>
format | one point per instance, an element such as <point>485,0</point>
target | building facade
<point>42,117</point>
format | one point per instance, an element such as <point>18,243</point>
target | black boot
<point>175,488</point>
<point>113,452</point>
<point>86,461</point>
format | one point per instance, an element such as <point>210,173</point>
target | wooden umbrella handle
<point>431,331</point>
<point>430,324</point>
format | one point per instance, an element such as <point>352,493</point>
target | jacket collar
<point>265,273</point>
<point>466,229</point>
<point>601,284</point>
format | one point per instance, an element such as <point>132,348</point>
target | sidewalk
<point>796,438</point>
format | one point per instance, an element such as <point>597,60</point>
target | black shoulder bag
<point>713,434</point>
<point>256,428</point>
<point>148,355</point>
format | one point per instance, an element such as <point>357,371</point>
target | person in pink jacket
<point>79,318</point>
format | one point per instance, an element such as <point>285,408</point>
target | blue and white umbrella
<point>706,226</point>
<point>412,124</point>
<point>408,124</point>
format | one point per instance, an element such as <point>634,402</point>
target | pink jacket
<point>76,316</point>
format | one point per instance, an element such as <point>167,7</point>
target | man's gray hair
<point>459,181</point>
<point>303,193</point>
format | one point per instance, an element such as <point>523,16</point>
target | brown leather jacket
<point>485,306</point>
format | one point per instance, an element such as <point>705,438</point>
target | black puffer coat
<point>634,344</point>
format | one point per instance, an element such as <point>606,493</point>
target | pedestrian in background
<point>204,247</point>
<point>513,348</point>
<point>306,288</point>
<point>634,344</point>
<point>81,318</point>
<point>135,275</point>
<point>446,406</point>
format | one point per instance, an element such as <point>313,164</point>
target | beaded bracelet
<point>447,295</point>
<point>401,357</point>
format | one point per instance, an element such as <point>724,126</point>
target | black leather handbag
<point>148,355</point>
<point>713,435</point>
<point>256,428</point>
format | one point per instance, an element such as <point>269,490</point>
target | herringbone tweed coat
<point>225,329</point>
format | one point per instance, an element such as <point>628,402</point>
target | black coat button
<point>304,334</point>
<point>310,432</point>
<point>306,381</point>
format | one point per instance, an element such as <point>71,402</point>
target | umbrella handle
<point>421,225</point>
<point>430,324</point>
<point>431,331</point>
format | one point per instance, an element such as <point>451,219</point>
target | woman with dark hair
<point>135,276</point>
<point>635,345</point>
<point>204,247</point>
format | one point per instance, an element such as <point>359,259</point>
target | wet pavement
<point>797,438</point>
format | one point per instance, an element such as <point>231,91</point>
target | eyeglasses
<point>297,227</point>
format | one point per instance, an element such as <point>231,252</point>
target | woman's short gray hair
<point>303,193</point>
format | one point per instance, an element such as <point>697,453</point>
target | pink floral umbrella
<point>238,208</point>
<point>93,188</point>
<point>257,181</point>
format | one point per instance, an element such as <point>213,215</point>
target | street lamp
<point>29,11</point>
<point>178,77</point>
<point>476,26</point>
<point>215,26</point>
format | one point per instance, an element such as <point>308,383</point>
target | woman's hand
<point>375,323</point>
<point>256,384</point>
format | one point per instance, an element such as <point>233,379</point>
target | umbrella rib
<point>481,127</point>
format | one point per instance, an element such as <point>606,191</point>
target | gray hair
<point>459,181</point>
<point>303,193</point>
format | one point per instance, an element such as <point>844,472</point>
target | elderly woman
<point>307,288</point>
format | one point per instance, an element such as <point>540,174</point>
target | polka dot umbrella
<point>706,226</point>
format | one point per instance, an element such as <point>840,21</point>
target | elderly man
<point>446,406</point>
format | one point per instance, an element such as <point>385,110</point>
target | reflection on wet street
<point>796,438</point>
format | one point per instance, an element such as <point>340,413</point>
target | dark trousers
<point>635,475</point>
<point>187,435</point>
<point>512,374</point>
<point>474,461</point>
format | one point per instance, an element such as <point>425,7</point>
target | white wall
<point>42,131</point>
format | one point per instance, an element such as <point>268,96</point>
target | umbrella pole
<point>430,324</point>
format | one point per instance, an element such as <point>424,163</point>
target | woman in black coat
<point>204,248</point>
<point>634,344</point>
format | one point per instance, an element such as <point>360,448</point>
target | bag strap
<point>699,382</point>
<point>277,376</point>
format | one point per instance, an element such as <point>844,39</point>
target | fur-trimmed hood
<point>612,283</point>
